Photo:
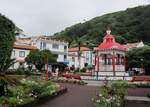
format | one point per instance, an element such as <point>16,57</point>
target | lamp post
<point>142,67</point>
<point>46,77</point>
<point>79,53</point>
<point>96,63</point>
<point>113,63</point>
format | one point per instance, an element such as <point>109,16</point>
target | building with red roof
<point>130,46</point>
<point>110,59</point>
<point>110,43</point>
<point>85,57</point>
<point>19,53</point>
<point>75,49</point>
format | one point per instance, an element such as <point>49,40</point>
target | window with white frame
<point>87,54</point>
<point>41,45</point>
<point>55,46</point>
<point>65,48</point>
<point>14,52</point>
<point>65,57</point>
<point>21,53</point>
<point>44,45</point>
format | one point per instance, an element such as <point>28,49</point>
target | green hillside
<point>131,25</point>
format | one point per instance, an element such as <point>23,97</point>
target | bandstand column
<point>106,60</point>
<point>119,59</point>
<point>125,63</point>
<point>113,62</point>
<point>46,72</point>
<point>96,58</point>
<point>97,63</point>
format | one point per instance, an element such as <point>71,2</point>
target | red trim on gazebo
<point>119,59</point>
<point>125,63</point>
<point>109,42</point>
<point>46,77</point>
<point>97,63</point>
<point>113,63</point>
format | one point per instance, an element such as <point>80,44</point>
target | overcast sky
<point>45,17</point>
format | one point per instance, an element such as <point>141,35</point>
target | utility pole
<point>79,53</point>
<point>46,77</point>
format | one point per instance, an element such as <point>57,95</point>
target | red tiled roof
<point>77,49</point>
<point>27,47</point>
<point>131,45</point>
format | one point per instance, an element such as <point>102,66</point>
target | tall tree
<point>7,39</point>
<point>139,57</point>
<point>40,58</point>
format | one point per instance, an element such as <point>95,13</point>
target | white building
<point>19,53</point>
<point>130,46</point>
<point>56,47</point>
<point>85,57</point>
<point>43,42</point>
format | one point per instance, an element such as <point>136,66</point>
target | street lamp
<point>46,77</point>
<point>142,67</point>
<point>79,53</point>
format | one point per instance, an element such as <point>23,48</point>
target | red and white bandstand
<point>110,59</point>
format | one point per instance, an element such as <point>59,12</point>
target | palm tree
<point>79,43</point>
<point>6,79</point>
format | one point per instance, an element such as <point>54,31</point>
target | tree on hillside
<point>131,25</point>
<point>81,43</point>
<point>40,58</point>
<point>139,57</point>
<point>120,39</point>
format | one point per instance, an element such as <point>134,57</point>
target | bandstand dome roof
<point>110,43</point>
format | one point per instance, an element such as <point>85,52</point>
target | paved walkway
<point>77,96</point>
<point>94,83</point>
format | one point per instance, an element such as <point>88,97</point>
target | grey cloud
<point>37,17</point>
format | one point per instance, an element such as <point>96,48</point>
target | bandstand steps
<point>106,78</point>
<point>109,75</point>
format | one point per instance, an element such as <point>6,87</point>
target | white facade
<point>141,44</point>
<point>26,44</point>
<point>85,58</point>
<point>130,46</point>
<point>105,62</point>
<point>19,55</point>
<point>56,47</point>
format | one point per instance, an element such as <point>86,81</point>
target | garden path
<point>77,96</point>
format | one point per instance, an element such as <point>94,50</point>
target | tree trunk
<point>147,71</point>
<point>2,89</point>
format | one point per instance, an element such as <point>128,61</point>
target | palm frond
<point>10,79</point>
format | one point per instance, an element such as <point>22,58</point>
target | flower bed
<point>28,91</point>
<point>143,84</point>
<point>139,89</point>
<point>68,80</point>
<point>44,99</point>
<point>72,75</point>
<point>138,93</point>
<point>141,78</point>
<point>85,74</point>
<point>111,95</point>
